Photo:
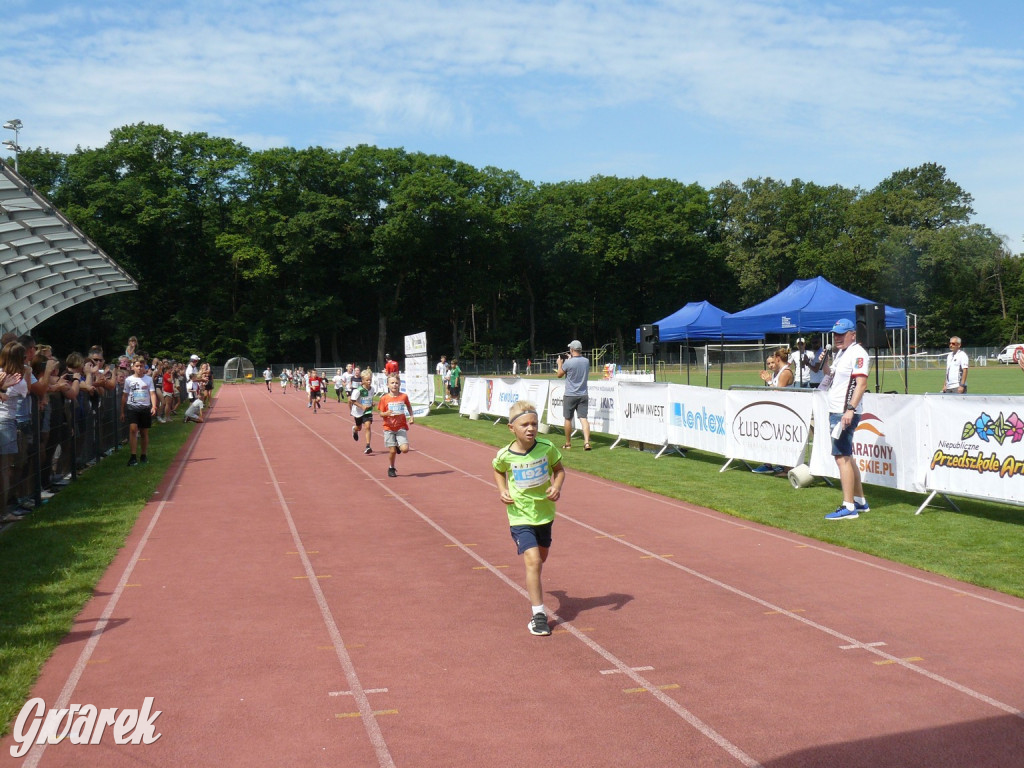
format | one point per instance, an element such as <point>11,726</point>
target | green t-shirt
<point>529,476</point>
<point>453,381</point>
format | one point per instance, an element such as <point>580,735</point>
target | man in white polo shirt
<point>848,375</point>
<point>956,369</point>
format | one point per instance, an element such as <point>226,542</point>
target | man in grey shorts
<point>576,371</point>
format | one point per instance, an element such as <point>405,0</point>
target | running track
<point>287,604</point>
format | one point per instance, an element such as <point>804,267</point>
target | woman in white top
<point>777,374</point>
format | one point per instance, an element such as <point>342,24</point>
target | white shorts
<point>396,438</point>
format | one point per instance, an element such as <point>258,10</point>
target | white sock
<point>849,505</point>
<point>538,609</point>
<point>859,500</point>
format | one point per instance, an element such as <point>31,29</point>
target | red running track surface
<point>287,604</point>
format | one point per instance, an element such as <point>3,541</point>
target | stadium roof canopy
<point>47,264</point>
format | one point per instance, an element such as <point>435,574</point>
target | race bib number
<point>531,474</point>
<point>396,409</point>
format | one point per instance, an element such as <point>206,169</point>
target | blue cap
<point>844,326</point>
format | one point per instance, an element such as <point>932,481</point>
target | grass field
<point>51,562</point>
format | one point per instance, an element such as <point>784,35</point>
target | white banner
<point>416,344</point>
<point>643,412</point>
<point>772,427</point>
<point>601,412</point>
<point>494,396</point>
<point>417,366</point>
<point>886,443</point>
<point>696,418</point>
<point>474,396</point>
<point>974,446</point>
<point>417,382</point>
<point>420,390</point>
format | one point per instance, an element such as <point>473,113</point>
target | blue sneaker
<point>865,507</point>
<point>843,514</point>
<point>764,469</point>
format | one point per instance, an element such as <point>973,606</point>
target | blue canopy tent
<point>696,320</point>
<point>805,306</point>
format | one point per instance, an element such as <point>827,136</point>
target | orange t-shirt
<point>394,409</point>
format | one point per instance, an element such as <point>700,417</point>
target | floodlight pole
<point>16,126</point>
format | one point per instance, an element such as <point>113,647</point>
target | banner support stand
<point>666,447</point>
<point>931,496</point>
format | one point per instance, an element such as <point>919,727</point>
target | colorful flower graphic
<point>1000,429</point>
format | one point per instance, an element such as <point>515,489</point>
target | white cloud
<point>844,79</point>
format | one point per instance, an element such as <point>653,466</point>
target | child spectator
<point>529,475</point>
<point>454,379</point>
<point>396,413</point>
<point>167,393</point>
<point>361,403</point>
<point>138,406</point>
<point>195,412</point>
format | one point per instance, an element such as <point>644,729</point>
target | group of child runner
<point>528,471</point>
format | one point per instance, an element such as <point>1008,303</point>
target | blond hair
<point>519,407</point>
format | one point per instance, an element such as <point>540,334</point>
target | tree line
<point>328,255</point>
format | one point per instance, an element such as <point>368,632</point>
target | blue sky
<point>697,90</point>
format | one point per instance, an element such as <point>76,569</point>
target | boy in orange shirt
<point>396,412</point>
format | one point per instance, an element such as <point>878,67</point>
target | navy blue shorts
<point>530,536</point>
<point>843,445</point>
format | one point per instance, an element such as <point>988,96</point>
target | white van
<point>1010,353</point>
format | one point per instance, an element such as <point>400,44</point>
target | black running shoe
<point>368,450</point>
<point>539,625</point>
<point>355,434</point>
<point>392,472</point>
<point>132,461</point>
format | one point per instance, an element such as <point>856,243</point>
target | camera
<point>69,377</point>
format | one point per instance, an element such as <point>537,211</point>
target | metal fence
<point>62,438</point>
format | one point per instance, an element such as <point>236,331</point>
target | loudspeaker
<point>648,348</point>
<point>871,326</point>
<point>649,334</point>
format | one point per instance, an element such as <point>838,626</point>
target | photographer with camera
<point>575,369</point>
<point>816,368</point>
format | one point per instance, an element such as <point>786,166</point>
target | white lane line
<point>853,642</point>
<point>369,719</point>
<point>63,700</point>
<point>721,517</point>
<point>618,671</point>
<point>619,665</point>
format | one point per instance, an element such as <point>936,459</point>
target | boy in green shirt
<point>529,475</point>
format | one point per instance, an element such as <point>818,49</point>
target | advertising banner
<point>474,396</point>
<point>696,418</point>
<point>974,446</point>
<point>420,390</point>
<point>494,396</point>
<point>643,412</point>
<point>886,443</point>
<point>417,382</point>
<point>770,427</point>
<point>601,406</point>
